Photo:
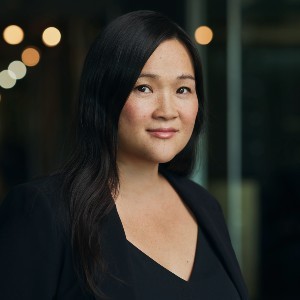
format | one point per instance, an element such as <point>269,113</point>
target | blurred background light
<point>30,56</point>
<point>203,35</point>
<point>18,68</point>
<point>12,74</point>
<point>51,36</point>
<point>13,34</point>
<point>7,79</point>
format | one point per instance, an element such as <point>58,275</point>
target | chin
<point>165,158</point>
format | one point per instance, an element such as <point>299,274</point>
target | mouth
<point>162,133</point>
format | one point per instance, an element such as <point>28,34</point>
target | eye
<point>183,90</point>
<point>143,89</point>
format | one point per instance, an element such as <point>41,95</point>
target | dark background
<point>36,115</point>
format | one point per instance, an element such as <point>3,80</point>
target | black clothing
<point>208,279</point>
<point>36,260</point>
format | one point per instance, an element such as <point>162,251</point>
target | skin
<point>155,124</point>
<point>164,97</point>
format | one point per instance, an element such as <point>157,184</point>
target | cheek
<point>128,112</point>
<point>190,114</point>
<point>131,115</point>
<point>195,110</point>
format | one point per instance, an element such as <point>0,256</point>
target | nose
<point>166,107</point>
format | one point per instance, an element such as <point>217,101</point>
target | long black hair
<point>110,71</point>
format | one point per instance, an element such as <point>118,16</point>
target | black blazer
<point>35,254</point>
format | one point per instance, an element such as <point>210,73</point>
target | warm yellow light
<point>30,57</point>
<point>203,35</point>
<point>51,36</point>
<point>18,68</point>
<point>7,79</point>
<point>13,34</point>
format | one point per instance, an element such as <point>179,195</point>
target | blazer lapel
<point>212,222</point>
<point>118,284</point>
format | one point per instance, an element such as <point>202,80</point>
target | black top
<point>208,280</point>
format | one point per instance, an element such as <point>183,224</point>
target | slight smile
<point>163,133</point>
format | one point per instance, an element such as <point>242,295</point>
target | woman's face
<point>158,117</point>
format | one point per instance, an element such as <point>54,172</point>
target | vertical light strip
<point>234,124</point>
<point>196,16</point>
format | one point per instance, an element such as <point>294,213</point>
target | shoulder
<point>49,186</point>
<point>43,187</point>
<point>36,199</point>
<point>35,250</point>
<point>192,190</point>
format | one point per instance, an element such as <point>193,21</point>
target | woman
<point>121,221</point>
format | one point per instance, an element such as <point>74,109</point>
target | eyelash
<point>186,88</point>
<point>140,87</point>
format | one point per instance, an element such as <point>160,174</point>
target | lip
<point>162,133</point>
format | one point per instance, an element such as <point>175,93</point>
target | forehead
<point>170,56</point>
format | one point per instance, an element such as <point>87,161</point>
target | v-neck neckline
<point>161,267</point>
<point>154,261</point>
<point>209,218</point>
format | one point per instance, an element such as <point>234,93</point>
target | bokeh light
<point>13,34</point>
<point>203,35</point>
<point>18,68</point>
<point>30,56</point>
<point>51,36</point>
<point>7,79</point>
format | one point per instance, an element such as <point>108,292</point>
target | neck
<point>139,181</point>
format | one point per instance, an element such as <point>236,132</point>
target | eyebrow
<point>154,76</point>
<point>186,76</point>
